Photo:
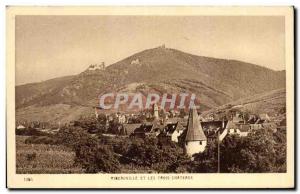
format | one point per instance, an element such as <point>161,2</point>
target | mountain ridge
<point>214,81</point>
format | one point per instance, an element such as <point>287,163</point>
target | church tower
<point>96,113</point>
<point>195,140</point>
<point>155,111</point>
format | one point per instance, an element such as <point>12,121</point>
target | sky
<point>53,46</point>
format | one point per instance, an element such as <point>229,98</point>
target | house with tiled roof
<point>244,130</point>
<point>237,129</point>
<point>147,129</point>
<point>130,128</point>
<point>231,127</point>
<point>143,131</point>
<point>212,128</point>
<point>252,119</point>
<point>264,117</point>
<point>271,126</point>
<point>256,126</point>
<point>174,130</point>
<point>21,127</point>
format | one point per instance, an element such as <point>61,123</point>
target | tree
<point>254,153</point>
<point>147,153</point>
<point>175,161</point>
<point>206,162</point>
<point>102,119</point>
<point>95,157</point>
<point>114,127</point>
<point>280,149</point>
<point>71,136</point>
<point>142,151</point>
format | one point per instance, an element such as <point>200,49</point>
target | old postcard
<point>150,97</point>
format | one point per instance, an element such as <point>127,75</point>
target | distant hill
<point>163,70</point>
<point>34,93</point>
<point>272,102</point>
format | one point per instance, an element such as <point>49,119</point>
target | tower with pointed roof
<point>195,140</point>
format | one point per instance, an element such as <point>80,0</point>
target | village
<point>188,129</point>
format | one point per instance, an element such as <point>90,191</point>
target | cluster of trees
<point>262,151</point>
<point>95,157</point>
<point>149,153</point>
<point>99,125</point>
<point>107,155</point>
<point>259,152</point>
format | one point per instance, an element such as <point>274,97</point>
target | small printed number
<point>28,179</point>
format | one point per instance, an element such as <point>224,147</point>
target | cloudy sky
<point>54,46</point>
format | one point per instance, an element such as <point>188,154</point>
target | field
<point>44,159</point>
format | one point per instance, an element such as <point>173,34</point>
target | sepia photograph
<point>157,95</point>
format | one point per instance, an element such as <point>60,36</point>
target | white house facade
<point>175,135</point>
